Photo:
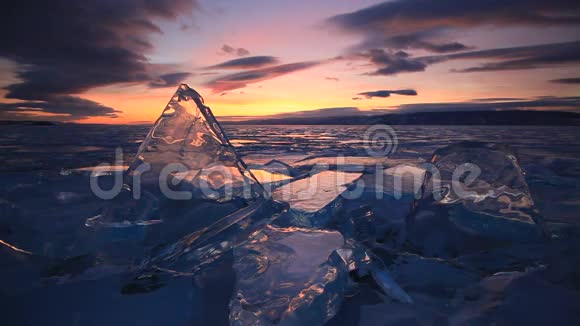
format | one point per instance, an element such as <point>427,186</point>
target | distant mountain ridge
<point>26,123</point>
<point>511,117</point>
<point>479,118</point>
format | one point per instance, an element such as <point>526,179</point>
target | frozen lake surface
<point>56,270</point>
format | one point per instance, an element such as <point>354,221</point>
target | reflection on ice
<point>288,276</point>
<point>265,177</point>
<point>313,199</point>
<point>101,170</point>
<point>4,243</point>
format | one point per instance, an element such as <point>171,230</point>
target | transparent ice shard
<point>355,257</point>
<point>188,134</point>
<point>186,185</point>
<point>384,279</point>
<point>475,197</point>
<point>192,252</point>
<point>288,276</point>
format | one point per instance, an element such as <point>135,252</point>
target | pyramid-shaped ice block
<point>188,138</point>
<point>186,179</point>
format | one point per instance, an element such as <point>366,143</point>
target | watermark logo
<point>380,140</point>
<point>175,181</point>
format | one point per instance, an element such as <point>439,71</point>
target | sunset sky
<point>105,61</point>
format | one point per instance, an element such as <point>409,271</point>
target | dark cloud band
<point>387,93</point>
<point>404,16</point>
<point>240,52</point>
<point>241,79</point>
<point>63,48</point>
<point>169,80</point>
<point>514,58</point>
<point>566,81</point>
<point>64,106</point>
<point>247,63</point>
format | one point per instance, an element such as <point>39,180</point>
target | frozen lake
<point>45,201</point>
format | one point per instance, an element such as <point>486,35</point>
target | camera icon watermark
<point>380,140</point>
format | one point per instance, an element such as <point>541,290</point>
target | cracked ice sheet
<point>309,195</point>
<point>288,276</point>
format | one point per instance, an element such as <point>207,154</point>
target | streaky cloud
<point>498,99</point>
<point>247,63</point>
<point>399,17</point>
<point>388,62</point>
<point>421,41</point>
<point>241,79</point>
<point>430,25</point>
<point>169,80</point>
<point>388,93</point>
<point>66,107</point>
<point>537,103</point>
<point>566,81</point>
<point>517,58</point>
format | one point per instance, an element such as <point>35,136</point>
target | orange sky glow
<point>293,32</point>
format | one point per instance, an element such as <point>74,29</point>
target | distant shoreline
<point>449,118</point>
<point>27,123</point>
<point>465,118</point>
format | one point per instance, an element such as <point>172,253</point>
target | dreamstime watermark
<point>349,177</point>
<point>380,140</point>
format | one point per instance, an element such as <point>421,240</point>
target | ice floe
<point>313,199</point>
